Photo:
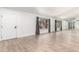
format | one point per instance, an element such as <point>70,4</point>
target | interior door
<point>9,26</point>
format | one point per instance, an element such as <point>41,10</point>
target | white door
<point>9,26</point>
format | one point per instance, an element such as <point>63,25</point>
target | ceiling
<point>51,11</point>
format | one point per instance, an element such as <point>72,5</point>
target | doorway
<point>71,25</point>
<point>58,25</point>
<point>42,25</point>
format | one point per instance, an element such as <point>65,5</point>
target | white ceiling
<point>51,11</point>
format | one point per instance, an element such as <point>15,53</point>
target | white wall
<point>52,24</point>
<point>8,19</point>
<point>77,25</point>
<point>25,22</point>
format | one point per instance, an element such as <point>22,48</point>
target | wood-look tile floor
<point>65,41</point>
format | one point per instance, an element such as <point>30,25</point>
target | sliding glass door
<point>58,25</point>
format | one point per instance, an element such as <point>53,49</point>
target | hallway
<point>65,41</point>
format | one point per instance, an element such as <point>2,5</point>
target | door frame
<point>37,32</point>
<point>56,25</point>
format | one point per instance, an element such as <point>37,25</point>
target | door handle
<point>15,27</point>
